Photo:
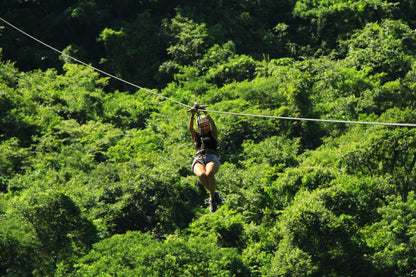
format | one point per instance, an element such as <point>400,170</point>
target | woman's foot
<point>217,198</point>
<point>212,205</point>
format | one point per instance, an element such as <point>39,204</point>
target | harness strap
<point>206,151</point>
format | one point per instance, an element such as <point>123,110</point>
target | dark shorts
<point>204,159</point>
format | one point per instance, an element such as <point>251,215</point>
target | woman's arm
<point>214,130</point>
<point>191,125</point>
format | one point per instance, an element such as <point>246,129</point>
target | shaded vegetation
<point>95,176</point>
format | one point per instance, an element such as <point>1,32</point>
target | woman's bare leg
<point>210,170</point>
<point>206,175</point>
<point>199,170</point>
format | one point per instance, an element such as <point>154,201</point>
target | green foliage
<point>133,51</point>
<point>187,42</point>
<point>138,254</point>
<point>227,226</point>
<point>286,186</point>
<point>294,262</point>
<point>275,151</point>
<point>327,21</point>
<point>236,69</point>
<point>346,90</point>
<point>127,111</point>
<point>317,238</point>
<point>52,231</point>
<point>218,67</point>
<point>382,48</point>
<point>95,177</point>
<point>388,154</point>
<point>18,247</point>
<point>144,143</point>
<point>393,237</point>
<point>12,158</point>
<point>8,74</point>
<point>147,201</point>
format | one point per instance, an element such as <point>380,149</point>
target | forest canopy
<point>95,174</point>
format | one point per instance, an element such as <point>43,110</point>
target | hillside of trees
<point>95,176</point>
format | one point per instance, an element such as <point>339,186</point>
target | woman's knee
<point>210,173</point>
<point>211,169</point>
<point>199,170</point>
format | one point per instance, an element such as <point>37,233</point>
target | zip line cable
<point>212,111</point>
<point>319,119</point>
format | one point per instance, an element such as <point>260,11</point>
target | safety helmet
<point>202,119</point>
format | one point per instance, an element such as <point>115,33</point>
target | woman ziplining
<point>205,164</point>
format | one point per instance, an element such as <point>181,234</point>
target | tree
<point>187,43</point>
<point>388,154</point>
<point>61,233</point>
<point>326,22</point>
<point>384,47</point>
<point>393,238</point>
<point>139,254</point>
<point>323,242</point>
<point>134,51</point>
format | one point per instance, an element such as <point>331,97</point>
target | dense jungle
<point>95,169</point>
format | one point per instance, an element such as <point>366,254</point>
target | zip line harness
<point>198,113</point>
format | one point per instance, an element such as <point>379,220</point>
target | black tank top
<point>205,142</point>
